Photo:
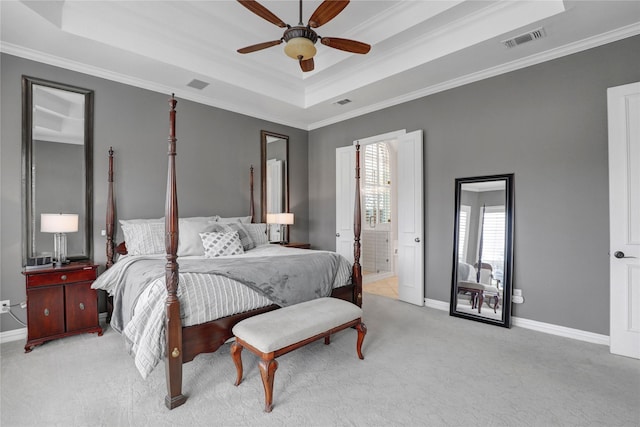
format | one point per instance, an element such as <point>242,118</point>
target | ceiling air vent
<point>342,101</point>
<point>197,84</point>
<point>538,33</point>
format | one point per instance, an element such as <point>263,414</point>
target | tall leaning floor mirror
<point>483,249</point>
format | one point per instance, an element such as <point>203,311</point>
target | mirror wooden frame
<point>505,321</point>
<point>263,172</point>
<point>28,206</point>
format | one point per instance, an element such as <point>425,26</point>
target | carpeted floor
<point>421,367</point>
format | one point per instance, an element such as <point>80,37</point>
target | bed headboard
<point>121,248</point>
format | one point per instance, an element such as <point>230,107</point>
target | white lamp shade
<point>58,223</point>
<point>279,218</point>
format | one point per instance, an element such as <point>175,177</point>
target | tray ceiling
<point>418,47</point>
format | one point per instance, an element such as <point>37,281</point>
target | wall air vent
<point>197,84</point>
<point>538,33</point>
<point>342,101</point>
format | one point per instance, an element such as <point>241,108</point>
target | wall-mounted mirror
<point>57,164</point>
<point>483,249</point>
<point>275,177</point>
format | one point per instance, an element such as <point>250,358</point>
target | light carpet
<point>421,367</point>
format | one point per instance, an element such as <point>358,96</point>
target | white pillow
<point>141,221</point>
<point>221,244</point>
<point>189,229</point>
<point>257,232</point>
<point>201,218</point>
<point>144,238</point>
<point>241,219</point>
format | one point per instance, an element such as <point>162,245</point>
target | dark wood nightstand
<point>60,302</point>
<point>300,245</point>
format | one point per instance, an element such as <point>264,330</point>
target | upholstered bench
<point>480,291</point>
<point>272,334</point>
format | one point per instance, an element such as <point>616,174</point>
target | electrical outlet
<point>4,306</point>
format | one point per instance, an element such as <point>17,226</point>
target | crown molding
<point>569,49</point>
<point>67,64</point>
<point>582,45</point>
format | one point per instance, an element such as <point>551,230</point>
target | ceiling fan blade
<point>346,45</point>
<point>259,46</point>
<point>307,65</point>
<point>328,10</point>
<point>262,12</point>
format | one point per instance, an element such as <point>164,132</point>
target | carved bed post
<point>251,207</point>
<point>173,357</point>
<point>110,212</point>
<point>356,275</point>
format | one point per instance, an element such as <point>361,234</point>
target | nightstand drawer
<point>61,277</point>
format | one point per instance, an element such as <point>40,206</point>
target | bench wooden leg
<point>268,371</point>
<point>362,331</point>
<point>236,354</point>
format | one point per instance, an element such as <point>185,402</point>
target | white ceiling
<point>418,48</point>
<point>58,115</point>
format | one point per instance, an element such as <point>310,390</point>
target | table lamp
<point>59,224</point>
<point>282,219</point>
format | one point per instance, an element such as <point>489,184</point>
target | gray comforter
<point>212,288</point>
<point>285,280</point>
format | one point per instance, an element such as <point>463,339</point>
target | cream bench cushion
<point>280,328</point>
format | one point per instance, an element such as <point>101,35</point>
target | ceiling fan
<point>301,39</point>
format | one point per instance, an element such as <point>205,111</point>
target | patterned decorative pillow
<point>144,238</point>
<point>245,238</point>
<point>258,233</point>
<point>221,244</point>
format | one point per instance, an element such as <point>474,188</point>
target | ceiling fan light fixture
<point>300,48</point>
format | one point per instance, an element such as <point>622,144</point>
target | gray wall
<point>548,125</point>
<point>215,150</point>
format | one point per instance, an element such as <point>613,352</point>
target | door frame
<point>397,135</point>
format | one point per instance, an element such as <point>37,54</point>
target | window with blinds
<point>377,184</point>
<point>463,235</point>
<point>493,234</point>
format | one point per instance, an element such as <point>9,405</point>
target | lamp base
<point>60,249</point>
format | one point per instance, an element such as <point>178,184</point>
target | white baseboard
<point>561,331</point>
<point>438,305</point>
<point>13,335</point>
<point>534,325</point>
<point>21,333</point>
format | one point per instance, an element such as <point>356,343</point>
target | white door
<point>345,200</point>
<point>624,217</point>
<point>410,219</point>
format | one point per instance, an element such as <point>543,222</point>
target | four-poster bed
<point>183,343</point>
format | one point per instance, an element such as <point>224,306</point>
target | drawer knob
<point>81,306</point>
<point>63,277</point>
<point>46,311</point>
